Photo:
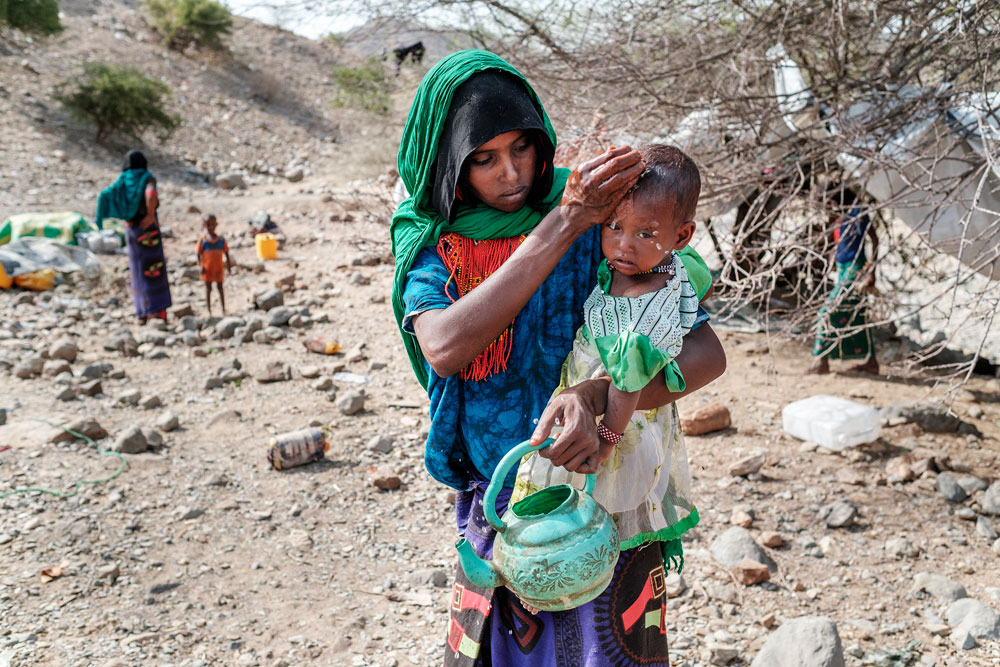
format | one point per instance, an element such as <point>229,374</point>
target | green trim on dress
<point>845,309</point>
<point>673,551</point>
<point>633,361</point>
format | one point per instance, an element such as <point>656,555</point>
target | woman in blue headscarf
<point>133,199</point>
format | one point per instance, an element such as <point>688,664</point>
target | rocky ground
<point>198,553</point>
<point>263,108</point>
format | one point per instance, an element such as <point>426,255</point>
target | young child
<point>212,248</point>
<point>635,320</point>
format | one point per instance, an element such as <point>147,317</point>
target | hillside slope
<point>256,109</point>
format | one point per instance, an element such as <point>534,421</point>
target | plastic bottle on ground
<point>831,422</point>
<point>289,450</point>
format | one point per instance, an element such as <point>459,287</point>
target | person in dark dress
<point>133,199</point>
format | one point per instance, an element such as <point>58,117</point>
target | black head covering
<point>486,105</point>
<point>134,160</point>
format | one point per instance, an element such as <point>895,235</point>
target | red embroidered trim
<point>471,262</point>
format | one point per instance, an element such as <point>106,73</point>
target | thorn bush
<point>118,100</point>
<point>186,22</point>
<point>31,15</point>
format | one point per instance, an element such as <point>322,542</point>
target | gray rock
<point>297,321</point>
<point>255,324</point>
<point>966,513</point>
<point>191,338</point>
<point>64,349</point>
<point>275,371</point>
<point>154,337</point>
<point>309,372</point>
<point>55,367</point>
<point>63,379</point>
<point>150,402</point>
<point>748,464</point>
<point>111,572</point>
<point>232,375</point>
<point>260,338</point>
<point>937,585</point>
<point>190,323</point>
<point>322,384</point>
<point>807,641</point>
<point>225,327</point>
<point>213,382</point>
<point>123,342</point>
<point>351,403</point>
<point>167,422</point>
<point>380,443</point>
<point>930,417</point>
<point>984,527</point>
<point>231,180</point>
<point>29,368</point>
<point>96,370</point>
<point>990,501</point>
<point>271,334</point>
<point>270,299</point>
<point>278,317</point>
<point>366,259</point>
<point>839,514</point>
<point>153,437</point>
<point>66,394</point>
<point>130,397</point>
<point>900,547</point>
<point>979,620</point>
<point>131,441</point>
<point>996,546</point>
<point>971,483</point>
<point>295,174</point>
<point>962,639</point>
<point>91,388</point>
<point>949,488</point>
<point>737,543</point>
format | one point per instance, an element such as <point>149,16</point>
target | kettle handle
<point>496,483</point>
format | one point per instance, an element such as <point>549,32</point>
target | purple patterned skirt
<point>148,271</point>
<point>624,626</point>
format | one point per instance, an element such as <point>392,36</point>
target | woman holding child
<point>496,252</point>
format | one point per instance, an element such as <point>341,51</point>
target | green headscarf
<point>416,224</point>
<point>121,199</point>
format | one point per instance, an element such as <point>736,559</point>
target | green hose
<point>76,487</point>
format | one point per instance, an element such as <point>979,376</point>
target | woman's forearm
<point>452,337</point>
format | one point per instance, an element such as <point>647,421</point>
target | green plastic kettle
<point>555,549</point>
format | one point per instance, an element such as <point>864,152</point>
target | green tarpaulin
<point>62,226</point>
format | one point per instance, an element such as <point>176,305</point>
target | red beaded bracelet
<point>608,434</point>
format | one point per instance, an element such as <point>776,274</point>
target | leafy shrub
<point>118,99</point>
<point>185,22</point>
<point>365,87</point>
<point>31,15</point>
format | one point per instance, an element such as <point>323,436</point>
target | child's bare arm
<point>621,405</point>
<point>229,263</point>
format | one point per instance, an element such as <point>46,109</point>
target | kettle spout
<point>479,571</point>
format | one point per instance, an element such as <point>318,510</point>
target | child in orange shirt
<point>211,249</point>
